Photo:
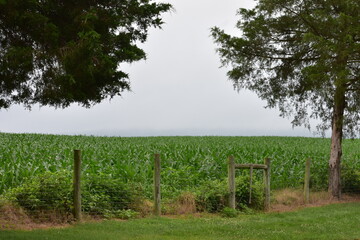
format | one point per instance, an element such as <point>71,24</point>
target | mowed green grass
<point>337,221</point>
<point>186,161</point>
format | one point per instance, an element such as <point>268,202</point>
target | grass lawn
<point>337,221</point>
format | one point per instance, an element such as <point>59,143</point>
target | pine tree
<point>303,57</point>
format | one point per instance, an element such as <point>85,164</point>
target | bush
<point>350,180</point>
<point>229,212</point>
<point>102,194</point>
<point>213,196</point>
<point>52,193</point>
<point>48,193</point>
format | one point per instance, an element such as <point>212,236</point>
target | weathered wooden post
<point>307,181</point>
<point>157,192</point>
<point>267,183</point>
<point>76,185</point>
<point>231,176</point>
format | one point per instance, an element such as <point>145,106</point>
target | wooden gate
<point>265,167</point>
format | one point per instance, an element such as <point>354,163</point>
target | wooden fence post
<point>157,192</point>
<point>76,185</point>
<point>267,183</point>
<point>307,181</point>
<point>231,176</point>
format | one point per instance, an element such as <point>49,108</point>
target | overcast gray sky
<point>178,90</point>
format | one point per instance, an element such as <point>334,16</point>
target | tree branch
<point>305,21</point>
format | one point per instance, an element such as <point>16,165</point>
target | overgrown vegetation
<point>213,196</point>
<point>351,180</point>
<point>50,194</point>
<point>118,172</point>
<point>186,161</point>
<point>47,194</point>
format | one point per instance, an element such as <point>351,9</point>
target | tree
<point>303,57</point>
<point>56,52</point>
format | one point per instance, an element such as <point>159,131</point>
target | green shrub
<point>350,180</point>
<point>229,212</point>
<point>242,193</point>
<point>213,196</point>
<point>46,192</point>
<point>52,192</point>
<point>103,194</point>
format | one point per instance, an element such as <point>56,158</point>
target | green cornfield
<point>187,162</point>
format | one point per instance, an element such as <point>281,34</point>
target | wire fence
<point>46,198</point>
<point>350,180</point>
<point>105,196</point>
<point>50,196</point>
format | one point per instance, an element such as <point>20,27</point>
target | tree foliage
<point>56,52</point>
<point>301,56</point>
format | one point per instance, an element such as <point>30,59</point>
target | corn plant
<point>187,162</point>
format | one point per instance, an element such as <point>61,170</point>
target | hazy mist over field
<point>178,90</point>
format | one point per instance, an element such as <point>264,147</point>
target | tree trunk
<point>334,163</point>
<point>336,141</point>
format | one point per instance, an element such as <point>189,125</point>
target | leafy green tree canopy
<point>303,57</point>
<point>58,52</point>
<point>299,55</point>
